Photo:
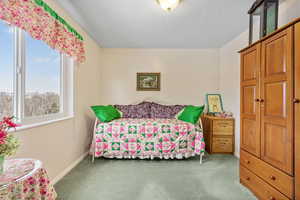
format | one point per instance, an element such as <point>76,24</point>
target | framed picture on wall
<point>214,103</point>
<point>148,82</point>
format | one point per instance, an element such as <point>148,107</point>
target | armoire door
<point>297,111</point>
<point>250,112</point>
<point>277,101</point>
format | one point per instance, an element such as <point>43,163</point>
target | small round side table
<point>25,179</point>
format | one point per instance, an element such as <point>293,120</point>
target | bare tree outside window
<point>37,104</point>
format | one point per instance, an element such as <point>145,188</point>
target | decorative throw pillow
<point>139,111</point>
<point>191,114</point>
<point>165,111</point>
<point>106,113</point>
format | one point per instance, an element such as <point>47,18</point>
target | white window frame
<point>66,85</point>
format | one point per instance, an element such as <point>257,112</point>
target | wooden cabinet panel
<point>249,59</point>
<point>297,111</point>
<point>260,188</point>
<point>250,139</point>
<point>275,92</point>
<point>275,150</point>
<point>250,112</point>
<point>275,64</point>
<point>271,175</point>
<point>249,100</point>
<point>276,105</point>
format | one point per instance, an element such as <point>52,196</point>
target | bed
<point>147,138</point>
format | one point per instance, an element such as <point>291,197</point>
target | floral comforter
<point>147,138</point>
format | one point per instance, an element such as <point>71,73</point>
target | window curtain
<point>43,23</point>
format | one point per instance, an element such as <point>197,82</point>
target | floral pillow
<point>165,111</point>
<point>138,111</point>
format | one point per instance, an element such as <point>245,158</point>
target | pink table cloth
<point>25,179</point>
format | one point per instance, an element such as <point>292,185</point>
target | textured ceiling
<point>143,24</point>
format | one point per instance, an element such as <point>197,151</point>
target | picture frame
<point>214,103</point>
<point>148,81</point>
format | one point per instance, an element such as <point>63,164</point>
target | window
<point>6,69</point>
<point>42,63</point>
<point>36,81</point>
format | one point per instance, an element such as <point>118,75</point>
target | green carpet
<point>216,179</point>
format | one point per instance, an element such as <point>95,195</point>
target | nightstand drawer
<point>223,127</point>
<point>222,145</point>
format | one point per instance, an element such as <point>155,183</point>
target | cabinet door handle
<point>257,100</point>
<point>262,100</point>
<point>296,101</point>
<point>248,178</point>
<point>273,178</point>
<point>272,198</point>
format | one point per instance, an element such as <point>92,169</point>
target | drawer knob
<point>296,100</point>
<point>248,162</point>
<point>272,198</point>
<point>273,178</point>
<point>248,178</point>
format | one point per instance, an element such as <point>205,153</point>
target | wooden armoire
<point>270,115</point>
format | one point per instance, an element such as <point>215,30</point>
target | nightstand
<point>218,134</point>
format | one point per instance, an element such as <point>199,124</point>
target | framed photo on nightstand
<point>214,103</point>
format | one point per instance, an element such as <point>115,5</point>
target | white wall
<point>186,75</point>
<point>288,11</point>
<point>230,63</point>
<point>60,144</point>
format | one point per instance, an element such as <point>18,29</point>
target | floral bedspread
<point>147,138</point>
<point>25,179</point>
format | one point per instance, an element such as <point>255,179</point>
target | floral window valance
<point>43,23</point>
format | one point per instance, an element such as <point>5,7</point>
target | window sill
<point>34,125</point>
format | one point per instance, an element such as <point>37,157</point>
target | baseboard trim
<point>237,154</point>
<point>68,169</point>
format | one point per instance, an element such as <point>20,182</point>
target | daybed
<point>147,131</point>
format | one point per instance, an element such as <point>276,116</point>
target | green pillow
<point>191,114</point>
<point>106,113</point>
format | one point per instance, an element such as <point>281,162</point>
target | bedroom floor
<point>216,179</point>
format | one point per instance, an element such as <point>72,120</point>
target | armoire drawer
<point>222,144</point>
<point>223,127</point>
<point>273,176</point>
<point>260,188</point>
